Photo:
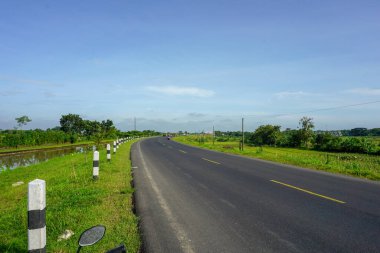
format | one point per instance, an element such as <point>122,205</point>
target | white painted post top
<point>108,146</point>
<point>96,155</point>
<point>36,195</point>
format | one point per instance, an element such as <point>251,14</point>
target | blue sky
<point>188,65</point>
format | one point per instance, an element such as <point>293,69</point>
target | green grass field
<point>74,201</point>
<point>358,165</point>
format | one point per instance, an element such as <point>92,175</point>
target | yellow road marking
<point>210,161</point>
<point>182,151</point>
<point>312,193</point>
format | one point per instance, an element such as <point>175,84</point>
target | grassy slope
<point>74,201</point>
<point>359,165</point>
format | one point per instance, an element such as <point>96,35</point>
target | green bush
<point>16,138</point>
<point>328,142</point>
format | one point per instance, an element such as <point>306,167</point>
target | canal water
<point>12,161</point>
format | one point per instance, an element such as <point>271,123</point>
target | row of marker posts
<point>95,166</point>
<point>37,203</point>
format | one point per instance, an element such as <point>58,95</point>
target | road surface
<point>195,200</point>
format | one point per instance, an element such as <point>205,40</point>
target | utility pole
<point>135,123</point>
<point>242,131</point>
<point>213,135</point>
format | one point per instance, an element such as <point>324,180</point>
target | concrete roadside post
<point>114,147</point>
<point>37,216</point>
<point>108,152</point>
<point>95,166</point>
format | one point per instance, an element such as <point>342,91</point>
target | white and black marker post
<point>117,144</point>
<point>37,216</point>
<point>108,152</point>
<point>114,147</point>
<point>95,166</point>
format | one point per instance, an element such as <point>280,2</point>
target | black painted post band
<point>37,216</point>
<point>43,250</point>
<point>36,219</point>
<point>108,152</point>
<point>95,165</point>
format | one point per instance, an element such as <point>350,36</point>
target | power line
<point>316,110</point>
<point>342,106</point>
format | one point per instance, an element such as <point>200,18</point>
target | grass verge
<point>358,165</point>
<point>73,201</point>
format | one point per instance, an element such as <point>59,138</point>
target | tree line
<point>72,129</point>
<point>352,141</point>
<point>361,131</point>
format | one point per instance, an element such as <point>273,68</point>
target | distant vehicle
<point>168,137</point>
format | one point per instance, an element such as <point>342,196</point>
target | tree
<point>97,132</point>
<point>71,123</point>
<point>290,138</point>
<point>374,132</point>
<point>22,121</point>
<point>12,140</point>
<point>325,141</point>
<point>108,128</point>
<point>266,135</point>
<point>359,131</point>
<point>306,130</point>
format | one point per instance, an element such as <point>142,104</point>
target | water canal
<point>22,159</point>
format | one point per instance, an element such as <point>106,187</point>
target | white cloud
<point>11,93</point>
<point>287,94</point>
<point>365,91</point>
<point>196,114</point>
<point>49,94</point>
<point>30,81</point>
<point>181,91</point>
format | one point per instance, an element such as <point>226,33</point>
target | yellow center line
<point>312,193</point>
<point>210,161</point>
<point>182,151</point>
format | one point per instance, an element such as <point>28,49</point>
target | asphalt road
<point>195,200</point>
